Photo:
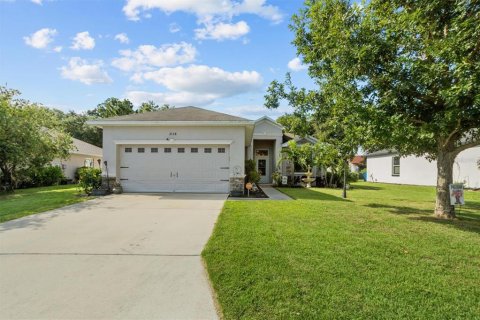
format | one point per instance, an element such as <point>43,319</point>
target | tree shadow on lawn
<point>465,221</point>
<point>363,187</point>
<point>399,209</point>
<point>461,223</point>
<point>314,194</point>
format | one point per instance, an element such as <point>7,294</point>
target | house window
<point>154,150</point>
<point>395,166</point>
<point>141,150</point>
<point>88,163</point>
<point>221,150</point>
<point>208,150</point>
<point>167,150</point>
<point>194,150</point>
<point>128,149</point>
<point>181,150</point>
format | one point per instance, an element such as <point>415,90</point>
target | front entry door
<point>262,159</point>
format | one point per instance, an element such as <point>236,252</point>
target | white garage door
<point>170,168</point>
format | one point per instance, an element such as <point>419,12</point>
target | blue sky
<point>216,54</point>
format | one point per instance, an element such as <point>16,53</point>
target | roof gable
<point>178,114</point>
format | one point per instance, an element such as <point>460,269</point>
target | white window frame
<point>395,166</point>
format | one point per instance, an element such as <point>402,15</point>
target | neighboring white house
<point>387,166</point>
<point>83,155</point>
<point>188,150</point>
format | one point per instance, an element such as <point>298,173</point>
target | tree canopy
<point>30,136</point>
<point>401,75</point>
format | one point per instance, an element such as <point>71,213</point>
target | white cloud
<point>147,56</point>
<point>88,73</point>
<point>41,38</point>
<point>122,37</point>
<point>221,31</point>
<point>220,12</point>
<point>219,8</point>
<point>83,41</point>
<point>58,49</point>
<point>174,28</point>
<point>296,65</point>
<point>205,80</point>
<point>39,2</point>
<point>195,85</point>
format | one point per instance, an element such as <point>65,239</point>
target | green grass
<point>24,202</point>
<point>377,255</point>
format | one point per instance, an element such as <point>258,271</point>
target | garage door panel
<point>175,171</point>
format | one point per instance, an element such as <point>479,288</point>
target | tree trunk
<point>344,193</point>
<point>443,208</point>
<point>7,179</point>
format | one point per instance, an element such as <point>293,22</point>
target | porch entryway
<point>263,154</point>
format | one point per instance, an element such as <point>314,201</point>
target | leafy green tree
<point>407,72</point>
<point>30,137</point>
<point>75,124</point>
<point>112,107</point>
<point>296,124</point>
<point>148,107</point>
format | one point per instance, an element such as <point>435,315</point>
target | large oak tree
<point>406,72</point>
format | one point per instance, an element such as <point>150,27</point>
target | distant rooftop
<point>82,147</point>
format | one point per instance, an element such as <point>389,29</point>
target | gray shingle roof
<point>82,147</point>
<point>178,114</point>
<point>380,153</point>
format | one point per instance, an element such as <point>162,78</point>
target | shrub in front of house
<point>89,179</point>
<point>251,172</point>
<point>40,177</point>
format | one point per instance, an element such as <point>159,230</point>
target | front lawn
<point>24,202</point>
<point>377,255</point>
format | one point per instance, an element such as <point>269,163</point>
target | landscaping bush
<point>251,172</point>
<point>337,180</point>
<point>40,177</point>
<point>89,179</point>
<point>277,178</point>
<point>353,177</point>
<point>77,173</point>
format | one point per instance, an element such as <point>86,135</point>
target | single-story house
<point>83,154</point>
<point>188,149</point>
<point>388,166</point>
<point>357,163</point>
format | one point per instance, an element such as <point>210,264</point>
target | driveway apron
<point>130,256</point>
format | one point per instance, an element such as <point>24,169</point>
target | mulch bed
<point>257,194</point>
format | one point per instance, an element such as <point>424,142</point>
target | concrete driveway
<point>134,256</point>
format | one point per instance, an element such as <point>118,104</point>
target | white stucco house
<point>188,149</point>
<point>387,166</point>
<point>83,154</point>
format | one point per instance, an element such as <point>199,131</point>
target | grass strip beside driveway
<point>24,202</point>
<point>377,255</point>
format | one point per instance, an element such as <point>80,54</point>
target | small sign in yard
<point>456,194</point>
<point>249,187</point>
<point>284,180</point>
